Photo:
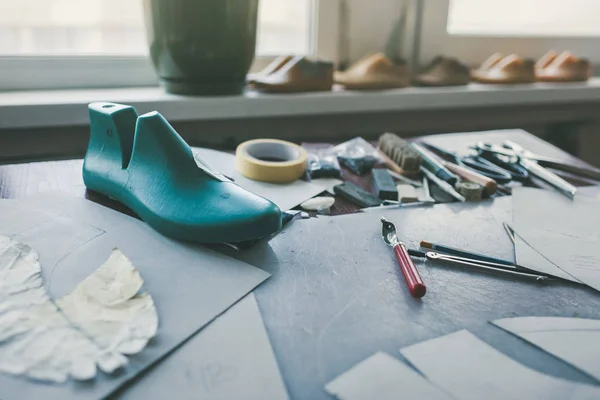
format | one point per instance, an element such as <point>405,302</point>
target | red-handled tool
<point>415,284</point>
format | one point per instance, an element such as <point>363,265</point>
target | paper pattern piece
<point>284,195</point>
<point>573,340</point>
<point>526,255</point>
<point>529,257</point>
<point>190,285</point>
<point>231,358</point>
<point>383,377</point>
<point>103,319</point>
<point>470,369</point>
<point>565,231</point>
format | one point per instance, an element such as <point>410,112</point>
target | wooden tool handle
<point>489,185</point>
<point>415,284</point>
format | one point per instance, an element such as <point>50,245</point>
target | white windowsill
<point>53,108</point>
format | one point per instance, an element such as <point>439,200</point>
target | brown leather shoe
<point>299,74</point>
<point>273,66</point>
<point>444,71</point>
<point>372,73</point>
<point>564,67</point>
<point>505,70</point>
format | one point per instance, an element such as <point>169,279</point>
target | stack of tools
<point>401,172</point>
<point>471,169</point>
<point>412,159</point>
<point>410,167</point>
<point>501,167</point>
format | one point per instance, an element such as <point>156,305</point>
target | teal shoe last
<point>143,163</point>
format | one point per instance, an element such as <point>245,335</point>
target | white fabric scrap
<point>100,321</point>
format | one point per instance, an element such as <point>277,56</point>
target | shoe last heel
<point>112,129</point>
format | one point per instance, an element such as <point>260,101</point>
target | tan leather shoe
<point>273,66</point>
<point>444,71</point>
<point>546,60</point>
<point>372,73</point>
<point>299,74</point>
<point>506,70</point>
<point>564,67</point>
<point>491,61</point>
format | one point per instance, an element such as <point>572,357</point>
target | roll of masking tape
<point>270,160</point>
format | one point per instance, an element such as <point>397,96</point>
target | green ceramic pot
<point>202,47</point>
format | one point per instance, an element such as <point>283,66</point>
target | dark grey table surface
<point>337,296</point>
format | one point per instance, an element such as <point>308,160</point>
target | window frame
<point>474,49</point>
<point>82,72</point>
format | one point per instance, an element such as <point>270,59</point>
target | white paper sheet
<point>470,369</point>
<point>284,195</point>
<point>565,231</point>
<point>529,257</point>
<point>574,340</point>
<point>383,377</point>
<point>526,255</point>
<point>76,236</point>
<point>231,358</point>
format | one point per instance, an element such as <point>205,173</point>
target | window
<point>75,43</point>
<point>524,18</point>
<point>71,27</point>
<point>284,27</point>
<point>474,29</point>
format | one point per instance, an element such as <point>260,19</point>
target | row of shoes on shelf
<point>287,74</point>
<point>552,67</point>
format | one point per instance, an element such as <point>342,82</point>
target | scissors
<point>536,165</point>
<point>487,164</point>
